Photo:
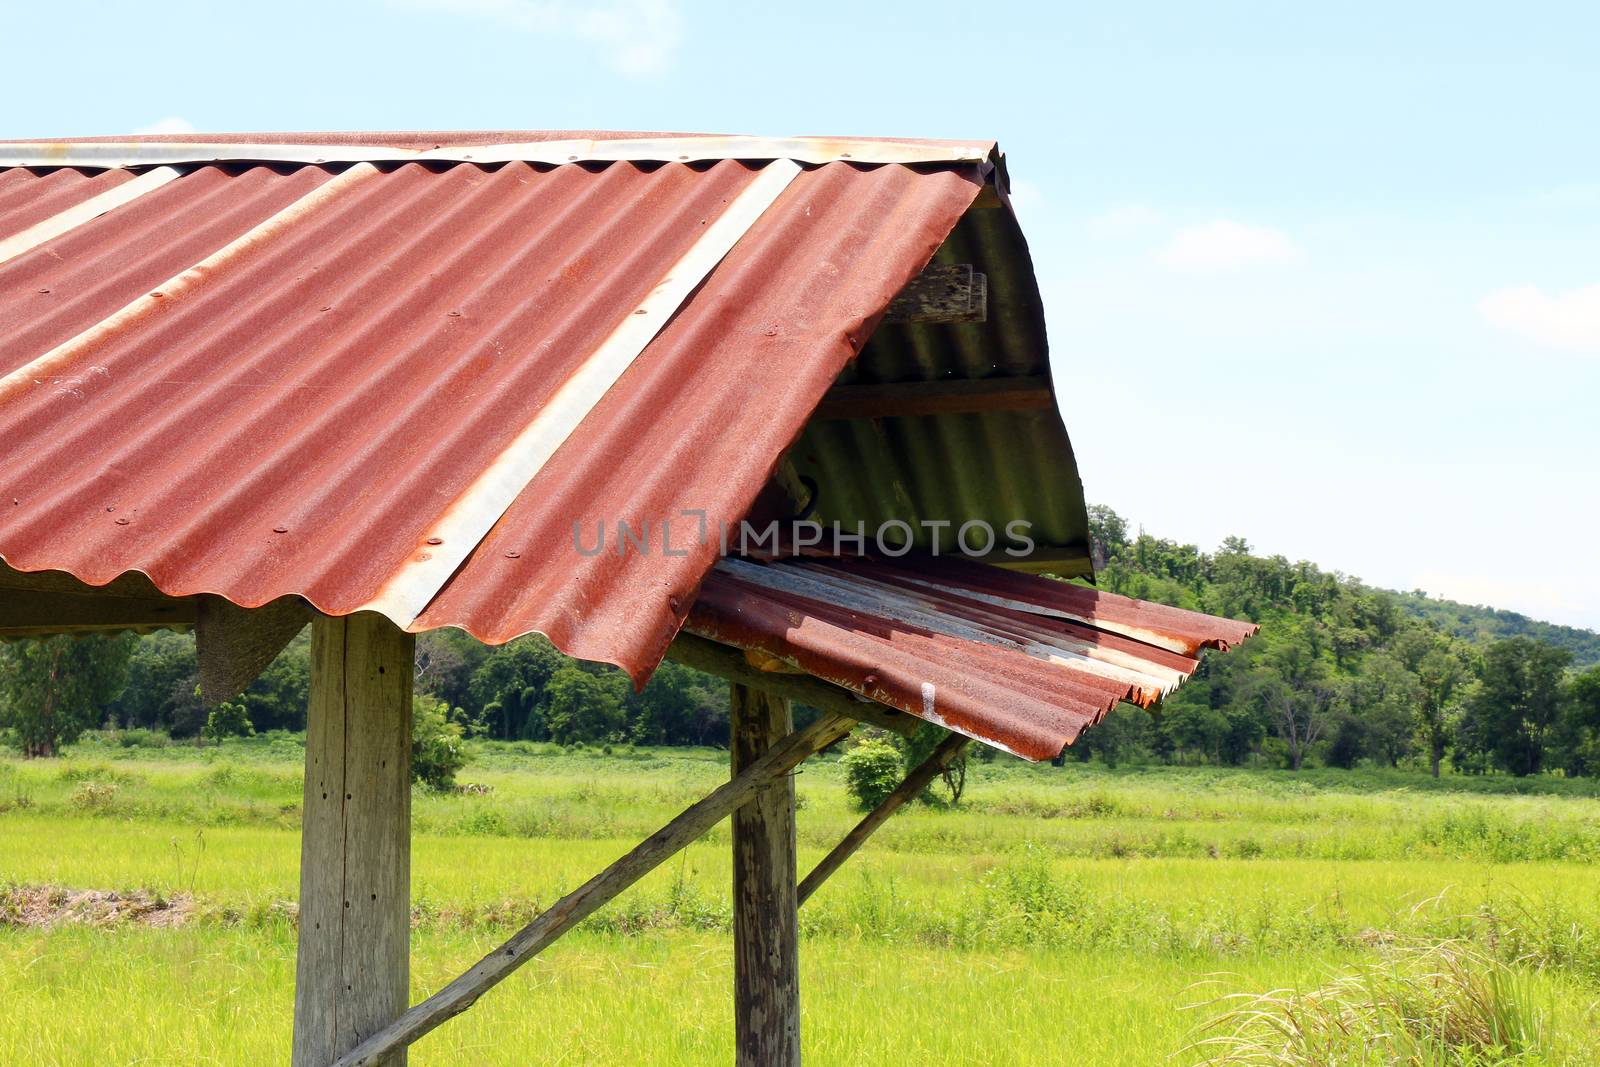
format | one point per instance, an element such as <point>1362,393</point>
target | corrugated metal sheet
<point>1025,664</point>
<point>259,380</point>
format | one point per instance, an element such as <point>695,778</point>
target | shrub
<point>227,720</point>
<point>437,752</point>
<point>872,769</point>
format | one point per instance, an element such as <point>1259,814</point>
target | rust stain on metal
<point>1027,682</point>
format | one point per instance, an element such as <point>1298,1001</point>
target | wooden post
<point>353,970</point>
<point>584,901</point>
<point>766,937</point>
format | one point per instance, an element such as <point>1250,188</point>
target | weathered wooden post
<point>355,849</point>
<point>766,942</point>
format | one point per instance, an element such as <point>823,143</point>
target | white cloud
<point>1120,219</point>
<point>636,37</point>
<point>170,124</point>
<point>1225,245</point>
<point>1568,321</point>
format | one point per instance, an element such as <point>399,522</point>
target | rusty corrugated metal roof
<point>396,385</point>
<point>1022,663</point>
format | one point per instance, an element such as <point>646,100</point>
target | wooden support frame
<point>730,664</point>
<point>766,924</point>
<point>915,782</point>
<point>353,966</point>
<point>573,908</point>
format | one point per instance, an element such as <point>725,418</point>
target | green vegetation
<point>872,768</point>
<point>1056,915</point>
<point>1343,673</point>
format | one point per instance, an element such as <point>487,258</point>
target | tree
<point>52,689</point>
<point>1294,690</point>
<point>508,687</point>
<point>1517,704</point>
<point>436,749</point>
<point>160,662</point>
<point>1441,678</point>
<point>1386,697</point>
<point>1580,724</point>
<point>227,720</point>
<point>584,706</point>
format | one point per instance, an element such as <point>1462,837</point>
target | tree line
<point>1341,673</point>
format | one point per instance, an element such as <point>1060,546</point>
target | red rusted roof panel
<point>258,380</point>
<point>699,422</point>
<point>1023,681</point>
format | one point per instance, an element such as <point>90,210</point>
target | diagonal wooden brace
<point>914,784</point>
<point>573,908</point>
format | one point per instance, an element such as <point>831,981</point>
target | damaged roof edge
<point>692,149</point>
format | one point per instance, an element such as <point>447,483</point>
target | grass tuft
<point>1445,1005</point>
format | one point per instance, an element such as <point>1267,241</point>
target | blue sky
<point>1326,277</point>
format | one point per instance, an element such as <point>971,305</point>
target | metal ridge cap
<point>812,150</point>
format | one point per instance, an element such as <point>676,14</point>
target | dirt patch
<point>57,906</point>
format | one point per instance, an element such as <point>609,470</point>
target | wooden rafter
<point>730,664</point>
<point>901,399</point>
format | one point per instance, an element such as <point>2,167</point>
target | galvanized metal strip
<point>885,601</point>
<point>43,367</point>
<point>1155,675</point>
<point>1137,633</point>
<point>459,529</point>
<point>73,217</point>
<point>109,154</point>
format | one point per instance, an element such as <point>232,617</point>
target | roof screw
<point>455,314</point>
<point>122,522</point>
<point>435,540</point>
<point>111,507</point>
<point>513,554</point>
<point>44,290</point>
<point>674,604</point>
<point>158,294</point>
<point>280,529</point>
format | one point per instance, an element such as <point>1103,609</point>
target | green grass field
<point>1060,915</point>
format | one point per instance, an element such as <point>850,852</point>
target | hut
<point>780,408</point>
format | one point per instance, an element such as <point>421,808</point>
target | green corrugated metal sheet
<point>995,465</point>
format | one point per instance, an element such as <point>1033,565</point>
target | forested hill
<point>1343,672</point>
<point>1481,625</point>
<point>1144,555</point>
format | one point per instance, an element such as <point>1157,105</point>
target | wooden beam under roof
<point>944,397</point>
<point>44,603</point>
